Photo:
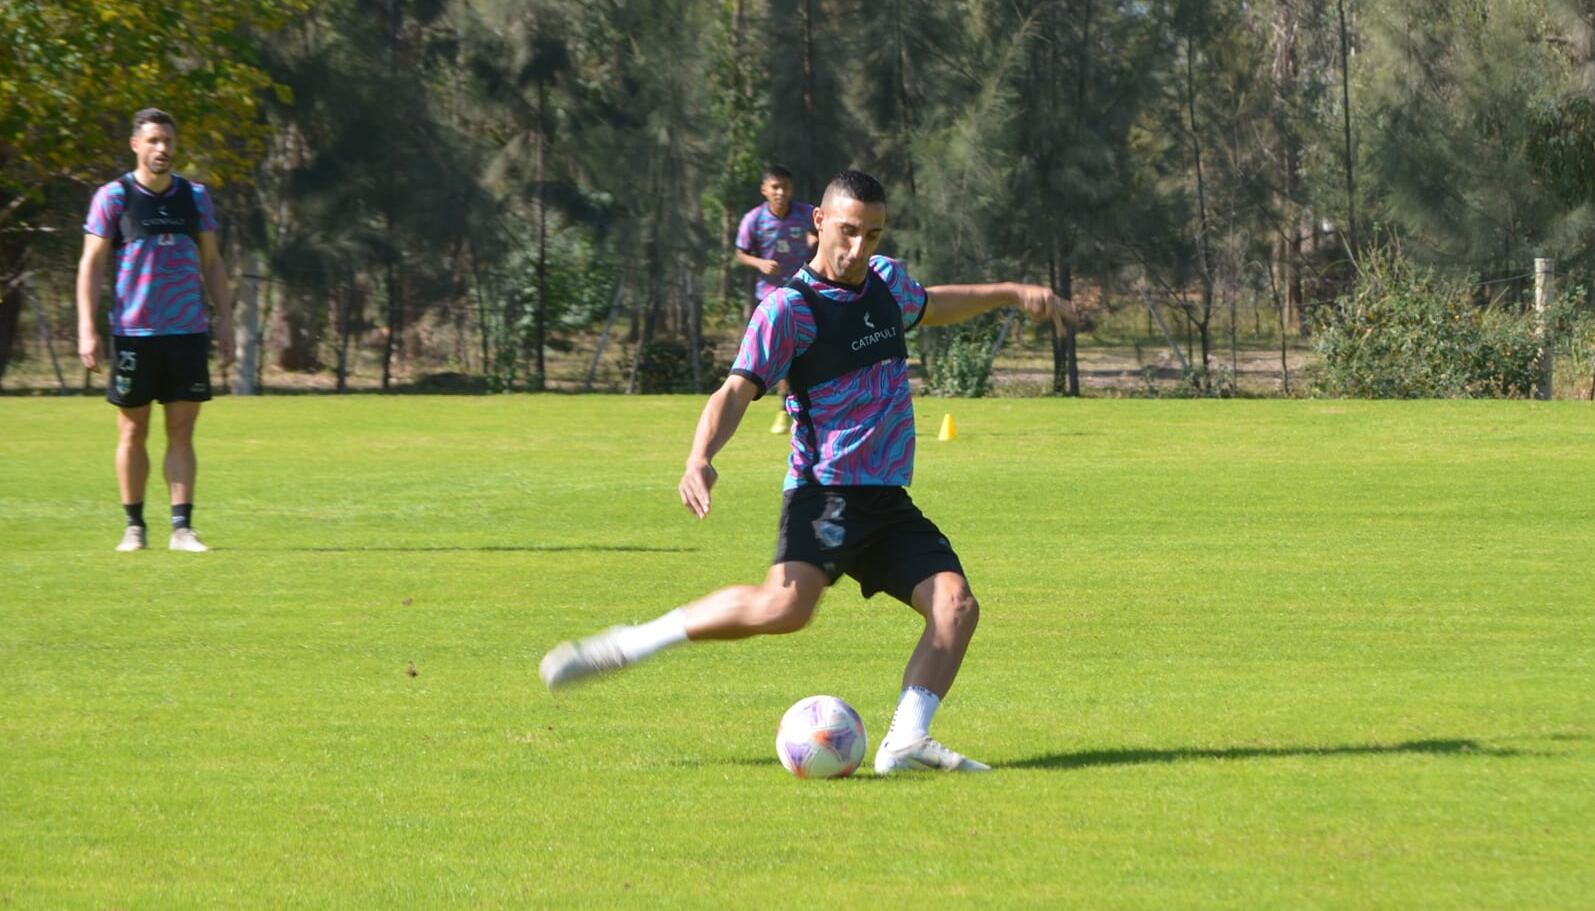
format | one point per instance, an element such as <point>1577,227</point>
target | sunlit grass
<point>1232,654</point>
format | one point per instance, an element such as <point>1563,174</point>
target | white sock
<point>640,641</point>
<point>912,720</point>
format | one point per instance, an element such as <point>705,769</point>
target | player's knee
<point>180,428</point>
<point>134,432</point>
<point>781,612</point>
<point>957,610</point>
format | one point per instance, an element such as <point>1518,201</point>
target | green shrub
<point>668,367</point>
<point>1404,331</point>
<point>959,362</point>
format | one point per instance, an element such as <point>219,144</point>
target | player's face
<point>849,233</point>
<point>777,191</point>
<point>155,145</point>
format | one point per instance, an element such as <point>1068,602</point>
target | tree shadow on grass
<point>1086,759</point>
<point>489,548</point>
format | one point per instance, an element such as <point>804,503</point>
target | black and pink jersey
<point>862,421</point>
<point>785,240</point>
<point>158,289</point>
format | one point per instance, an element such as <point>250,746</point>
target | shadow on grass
<point>489,548</point>
<point>1086,759</point>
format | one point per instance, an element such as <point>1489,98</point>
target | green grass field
<point>1233,654</point>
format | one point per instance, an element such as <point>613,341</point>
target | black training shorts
<point>874,534</point>
<point>170,368</point>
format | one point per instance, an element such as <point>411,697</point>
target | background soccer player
<point>161,228</point>
<point>775,238</point>
<point>837,334</point>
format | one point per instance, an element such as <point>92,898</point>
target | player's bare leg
<point>181,468</point>
<point>783,603</point>
<point>132,467</point>
<point>951,614</point>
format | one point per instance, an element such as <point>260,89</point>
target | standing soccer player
<point>775,239</point>
<point>162,229</point>
<point>835,331</point>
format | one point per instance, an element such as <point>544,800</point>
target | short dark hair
<point>776,170</point>
<point>152,115</point>
<point>856,185</point>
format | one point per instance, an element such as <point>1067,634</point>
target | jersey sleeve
<point>207,209</point>
<point>771,340</point>
<point>910,295</point>
<point>745,240</point>
<point>104,210</point>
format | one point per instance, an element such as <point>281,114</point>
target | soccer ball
<point>821,737</point>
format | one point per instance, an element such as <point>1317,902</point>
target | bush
<point>1406,332</point>
<point>959,362</point>
<point>667,367</point>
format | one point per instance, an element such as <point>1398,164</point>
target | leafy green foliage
<point>72,72</point>
<point>958,358</point>
<point>1405,331</point>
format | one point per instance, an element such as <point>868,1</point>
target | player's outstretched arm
<point>721,415</point>
<point>948,304</point>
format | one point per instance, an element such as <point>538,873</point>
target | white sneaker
<point>186,539</point>
<point>133,538</point>
<point>569,662</point>
<point>924,754</point>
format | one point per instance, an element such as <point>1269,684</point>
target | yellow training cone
<point>949,430</point>
<point>782,424</point>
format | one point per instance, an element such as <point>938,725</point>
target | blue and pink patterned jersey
<point>785,240</point>
<point>863,420</point>
<point>158,288</point>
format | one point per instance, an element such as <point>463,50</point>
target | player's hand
<point>695,484</point>
<point>89,348</point>
<point>1040,303</point>
<point>225,346</point>
<point>770,267</point>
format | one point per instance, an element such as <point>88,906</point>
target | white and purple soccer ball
<point>821,737</point>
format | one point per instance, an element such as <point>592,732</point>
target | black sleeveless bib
<point>848,336</point>
<point>145,216</point>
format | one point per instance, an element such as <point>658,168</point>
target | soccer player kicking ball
<point>835,332</point>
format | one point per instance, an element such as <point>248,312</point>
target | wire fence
<point>444,346</point>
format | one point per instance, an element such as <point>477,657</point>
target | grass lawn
<point>1232,654</point>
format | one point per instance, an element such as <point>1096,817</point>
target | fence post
<point>1544,295</point>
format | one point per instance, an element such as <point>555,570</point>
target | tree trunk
<point>297,344</point>
<point>12,256</point>
<point>1345,105</point>
<point>694,329</point>
<point>728,218</point>
<point>810,178</point>
<point>650,317</point>
<point>10,317</point>
<point>1203,256</point>
<point>1286,70</point>
<point>539,340</point>
<point>395,325</point>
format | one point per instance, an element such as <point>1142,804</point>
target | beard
<point>159,167</point>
